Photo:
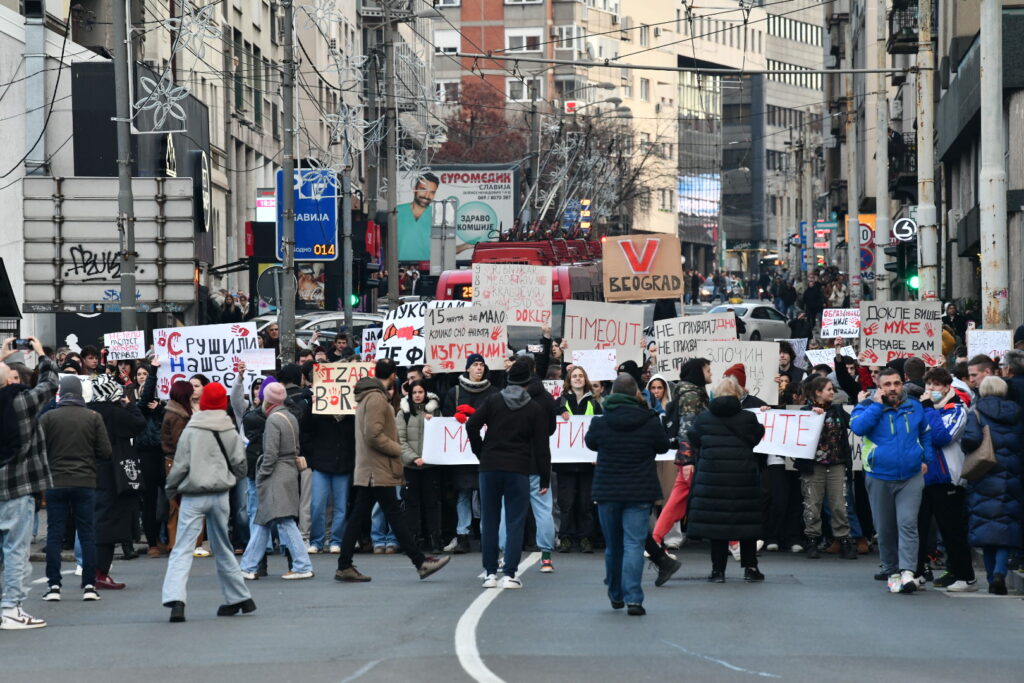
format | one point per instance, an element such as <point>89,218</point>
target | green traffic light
<point>913,282</point>
<point>355,299</point>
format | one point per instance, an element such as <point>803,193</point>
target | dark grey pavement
<point>812,620</point>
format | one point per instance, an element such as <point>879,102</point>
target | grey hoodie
<point>515,397</point>
<point>200,467</point>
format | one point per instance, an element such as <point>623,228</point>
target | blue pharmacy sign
<point>316,215</point>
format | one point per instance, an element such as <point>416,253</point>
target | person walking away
<point>378,471</point>
<point>515,445</point>
<point>896,439</point>
<point>725,503</point>
<point>575,480</point>
<point>209,458</point>
<point>24,475</point>
<point>422,493</point>
<point>627,439</point>
<point>277,489</point>
<point>176,415</point>
<point>75,439</point>
<point>996,500</point>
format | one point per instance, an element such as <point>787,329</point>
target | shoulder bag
<point>982,459</point>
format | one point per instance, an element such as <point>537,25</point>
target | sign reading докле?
<point>895,329</point>
<point>523,291</point>
<point>641,267</point>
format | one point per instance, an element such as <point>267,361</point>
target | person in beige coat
<point>378,471</point>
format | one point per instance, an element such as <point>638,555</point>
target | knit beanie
<point>739,373</point>
<point>275,393</point>
<point>214,397</point>
<point>475,358</point>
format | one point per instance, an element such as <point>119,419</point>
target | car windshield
<point>740,310</point>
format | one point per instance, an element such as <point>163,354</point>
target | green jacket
<point>75,439</point>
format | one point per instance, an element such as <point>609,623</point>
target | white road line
<point>465,631</point>
<point>721,662</point>
<point>361,672</point>
<point>42,579</point>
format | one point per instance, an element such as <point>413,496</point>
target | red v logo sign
<point>643,262</point>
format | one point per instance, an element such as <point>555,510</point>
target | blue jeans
<point>82,503</point>
<point>513,490</point>
<point>241,503</point>
<point>463,511</point>
<point>625,527</point>
<point>289,533</point>
<point>996,560</point>
<point>251,501</point>
<point>15,540</point>
<point>215,509</point>
<point>335,487</point>
<point>381,532</point>
<point>542,507</point>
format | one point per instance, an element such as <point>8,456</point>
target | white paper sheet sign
<point>600,364</point>
<point>597,325</point>
<point>840,322</point>
<point>215,351</point>
<point>791,433</point>
<point>992,343</point>
<point>523,291</point>
<point>554,387</point>
<point>259,359</point>
<point>799,346</point>
<point>371,337</point>
<point>129,345</point>
<point>827,356</point>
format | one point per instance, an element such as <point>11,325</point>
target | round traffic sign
<point>867,258</point>
<point>904,229</point>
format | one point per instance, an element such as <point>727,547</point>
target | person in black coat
<point>147,445</point>
<point>575,479</point>
<point>332,458</point>
<point>725,503</point>
<point>627,438</point>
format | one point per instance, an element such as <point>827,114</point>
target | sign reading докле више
<point>894,329</point>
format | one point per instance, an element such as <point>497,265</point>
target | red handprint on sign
<point>930,331</point>
<point>871,329</point>
<point>930,360</point>
<point>447,365</point>
<point>495,333</point>
<point>236,363</point>
<point>240,330</point>
<point>165,386</point>
<point>870,356</point>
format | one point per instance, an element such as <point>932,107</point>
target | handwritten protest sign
<point>554,387</point>
<point>453,334</point>
<point>677,338</point>
<point>371,337</point>
<point>641,267</point>
<point>259,359</point>
<point>992,343</point>
<point>596,325</point>
<point>600,364</point>
<point>792,433</point>
<point>401,337</point>
<point>334,384</point>
<point>840,322</point>
<point>216,351</point>
<point>828,356</point>
<point>897,329</point>
<point>125,345</point>
<point>523,291</point>
<point>799,346</point>
<point>760,363</point>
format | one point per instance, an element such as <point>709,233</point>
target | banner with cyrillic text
<point>792,433</point>
<point>454,334</point>
<point>215,351</point>
<point>677,338</point>
<point>523,291</point>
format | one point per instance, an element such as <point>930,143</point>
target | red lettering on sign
<point>800,428</point>
<point>643,262</point>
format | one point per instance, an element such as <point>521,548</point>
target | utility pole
<point>852,179</point>
<point>125,199</point>
<point>286,304</point>
<point>927,231</point>
<point>346,233</point>
<point>534,146</point>
<point>391,150</point>
<point>992,175</point>
<point>881,158</point>
<point>807,201</point>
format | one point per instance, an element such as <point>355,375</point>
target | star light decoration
<point>320,15</point>
<point>319,181</point>
<point>162,98</point>
<point>193,28</point>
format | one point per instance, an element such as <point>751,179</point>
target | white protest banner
<point>596,325</point>
<point>523,291</point>
<point>215,351</point>
<point>554,387</point>
<point>129,345</point>
<point>897,329</point>
<point>600,364</point>
<point>333,384</point>
<point>445,442</point>
<point>992,343</point>
<point>677,338</point>
<point>792,433</point>
<point>371,337</point>
<point>840,322</point>
<point>828,356</point>
<point>760,364</point>
<point>401,338</point>
<point>454,334</point>
<point>259,359</point>
<point>799,346</point>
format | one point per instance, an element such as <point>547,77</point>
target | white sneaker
<point>760,544</point>
<point>772,547</point>
<point>201,552</point>
<point>313,550</point>
<point>963,587</point>
<point>511,582</point>
<point>249,576</point>
<point>335,550</point>
<point>16,619</point>
<point>295,576</point>
<point>89,593</point>
<point>908,582</point>
<point>734,548</point>
<point>796,548</point>
<point>895,583</point>
<point>922,583</point>
<point>490,581</point>
<point>78,570</point>
<point>52,594</point>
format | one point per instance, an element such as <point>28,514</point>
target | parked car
<point>762,322</point>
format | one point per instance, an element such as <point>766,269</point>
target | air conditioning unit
<point>657,108</point>
<point>615,20</point>
<point>627,25</point>
<point>657,31</point>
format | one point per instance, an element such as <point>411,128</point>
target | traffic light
<point>910,268</point>
<point>898,268</point>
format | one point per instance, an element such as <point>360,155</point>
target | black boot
<point>666,568</point>
<point>128,551</point>
<point>847,549</point>
<point>436,544</point>
<point>261,569</point>
<point>462,547</point>
<point>177,611</point>
<point>812,549</point>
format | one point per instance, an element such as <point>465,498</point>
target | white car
<point>762,322</point>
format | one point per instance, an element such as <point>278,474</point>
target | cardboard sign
<point>125,345</point>
<point>760,363</point>
<point>677,338</point>
<point>792,433</point>
<point>897,329</point>
<point>600,364</point>
<point>799,347</point>
<point>215,351</point>
<point>333,386</point>
<point>640,267</point>
<point>523,291</point>
<point>445,442</point>
<point>371,337</point>
<point>554,387</point>
<point>840,322</point>
<point>827,356</point>
<point>453,334</point>
<point>992,343</point>
<point>596,325</point>
<point>401,338</point>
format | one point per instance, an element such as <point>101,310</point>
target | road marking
<point>465,631</point>
<point>42,579</point>
<point>361,672</point>
<point>721,662</point>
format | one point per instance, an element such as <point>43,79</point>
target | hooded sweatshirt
<point>200,467</point>
<point>517,437</point>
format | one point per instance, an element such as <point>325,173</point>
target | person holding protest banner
<point>575,479</point>
<point>422,493</point>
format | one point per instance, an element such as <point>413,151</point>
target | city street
<point>811,620</point>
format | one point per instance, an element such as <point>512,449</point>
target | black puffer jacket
<point>725,502</point>
<point>253,422</point>
<point>627,438</point>
<point>333,444</point>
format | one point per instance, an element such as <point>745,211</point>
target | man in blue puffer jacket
<point>896,438</point>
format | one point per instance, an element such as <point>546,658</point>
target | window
<point>239,60</point>
<point>256,74</point>
<point>446,42</point>
<point>447,91</point>
<point>447,3</point>
<point>645,89</point>
<point>571,38</point>
<point>519,91</point>
<point>523,2</point>
<point>523,40</point>
<point>626,85</point>
<point>665,199</point>
<point>645,35</point>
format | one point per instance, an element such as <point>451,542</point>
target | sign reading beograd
<point>640,267</point>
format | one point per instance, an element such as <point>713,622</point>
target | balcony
<point>903,31</point>
<point>903,165</point>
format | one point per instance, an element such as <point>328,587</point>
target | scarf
<point>473,387</point>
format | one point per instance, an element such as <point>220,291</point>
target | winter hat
<point>263,385</point>
<point>1018,335</point>
<point>632,369</point>
<point>519,373</point>
<point>215,397</point>
<point>739,373</point>
<point>475,358</point>
<point>70,386</point>
<point>105,389</point>
<point>275,393</point>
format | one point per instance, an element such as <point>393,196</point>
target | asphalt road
<point>811,620</point>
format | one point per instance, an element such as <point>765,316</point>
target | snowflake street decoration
<point>409,163</point>
<point>193,28</point>
<point>320,15</point>
<point>318,182</point>
<point>382,189</point>
<point>162,99</point>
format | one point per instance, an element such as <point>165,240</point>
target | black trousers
<point>720,554</point>
<point>363,499</point>
<point>947,504</point>
<point>422,499</point>
<point>104,557</point>
<point>154,478</point>
<point>575,505</point>
<point>783,519</point>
